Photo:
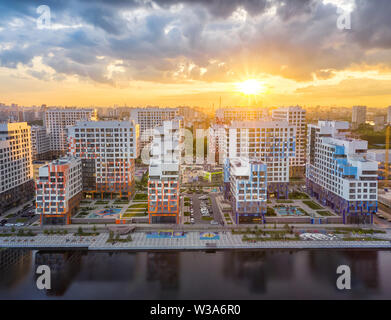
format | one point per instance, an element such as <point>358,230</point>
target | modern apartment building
<point>245,185</point>
<point>56,122</point>
<point>149,118</point>
<point>271,142</point>
<point>359,115</point>
<point>296,116</point>
<point>16,170</point>
<point>108,150</point>
<point>226,115</point>
<point>40,143</point>
<point>339,173</point>
<point>58,191</point>
<point>164,173</point>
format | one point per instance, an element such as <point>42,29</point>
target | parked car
<point>214,222</point>
<point>3,222</point>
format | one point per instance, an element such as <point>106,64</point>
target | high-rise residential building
<point>40,143</point>
<point>58,191</point>
<point>218,143</point>
<point>16,170</point>
<point>226,115</point>
<point>108,150</point>
<point>379,122</point>
<point>149,118</point>
<point>164,173</point>
<point>295,116</point>
<point>271,142</point>
<point>359,115</point>
<point>56,122</point>
<point>339,173</point>
<point>245,185</point>
<point>389,115</point>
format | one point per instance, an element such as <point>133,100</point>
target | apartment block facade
<point>58,191</point>
<point>271,142</point>
<point>245,185</point>
<point>149,118</point>
<point>16,170</point>
<point>56,123</point>
<point>40,143</point>
<point>295,116</point>
<point>108,150</point>
<point>164,173</point>
<point>339,173</point>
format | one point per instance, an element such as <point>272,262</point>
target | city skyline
<point>166,53</point>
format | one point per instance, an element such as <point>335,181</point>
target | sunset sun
<point>251,87</point>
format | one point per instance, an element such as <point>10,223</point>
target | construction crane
<point>386,169</point>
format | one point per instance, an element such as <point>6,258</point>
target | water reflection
<point>258,274</point>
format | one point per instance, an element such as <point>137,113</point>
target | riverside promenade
<point>191,241</point>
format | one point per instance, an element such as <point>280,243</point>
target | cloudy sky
<point>182,52</point>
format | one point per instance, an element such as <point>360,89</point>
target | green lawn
<point>207,218</point>
<point>135,214</point>
<point>270,212</point>
<point>138,206</point>
<point>312,205</point>
<point>101,202</point>
<point>141,196</point>
<point>324,213</point>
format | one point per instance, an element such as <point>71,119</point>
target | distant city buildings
<point>57,121</point>
<point>338,173</point>
<point>359,116</point>
<point>379,123</point>
<point>389,115</point>
<point>164,173</point>
<point>245,185</point>
<point>16,171</point>
<point>226,115</point>
<point>59,191</point>
<point>108,150</point>
<point>295,116</point>
<point>40,143</point>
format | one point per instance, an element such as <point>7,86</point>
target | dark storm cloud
<point>177,38</point>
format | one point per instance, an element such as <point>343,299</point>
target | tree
<point>80,230</point>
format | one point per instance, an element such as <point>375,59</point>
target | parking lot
<point>22,216</point>
<point>204,211</point>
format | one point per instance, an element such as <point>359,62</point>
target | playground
<point>289,211</point>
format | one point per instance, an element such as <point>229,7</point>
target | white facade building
<point>245,184</point>
<point>295,116</point>
<point>58,190</point>
<point>338,172</point>
<point>16,170</point>
<point>56,122</point>
<point>271,142</point>
<point>149,118</point>
<point>40,143</point>
<point>108,150</point>
<point>164,172</point>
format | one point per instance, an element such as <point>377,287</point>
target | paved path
<point>192,241</point>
